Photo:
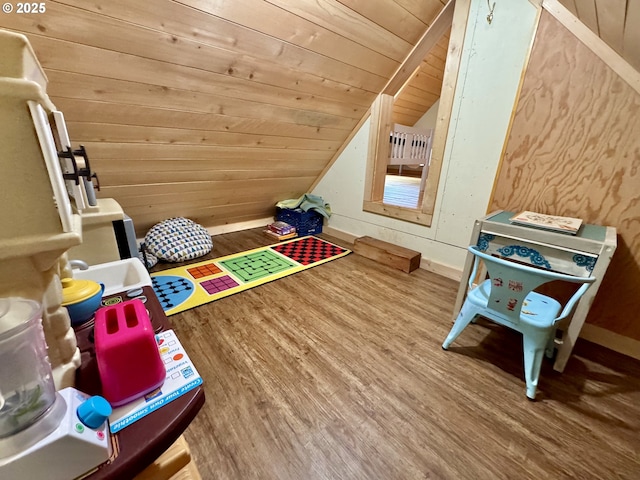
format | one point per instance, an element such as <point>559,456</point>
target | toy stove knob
<point>94,411</point>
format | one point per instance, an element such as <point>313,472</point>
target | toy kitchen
<point>62,377</point>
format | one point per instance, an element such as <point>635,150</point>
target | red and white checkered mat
<point>186,287</point>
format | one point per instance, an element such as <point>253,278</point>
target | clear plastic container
<point>27,391</point>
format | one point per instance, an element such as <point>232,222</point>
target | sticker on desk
<point>182,377</point>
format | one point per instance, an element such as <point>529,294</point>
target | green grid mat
<point>255,266</point>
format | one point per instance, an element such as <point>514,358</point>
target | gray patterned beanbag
<point>178,239</point>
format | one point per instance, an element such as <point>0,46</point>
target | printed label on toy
<point>182,376</point>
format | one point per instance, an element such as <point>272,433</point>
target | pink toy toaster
<point>127,353</point>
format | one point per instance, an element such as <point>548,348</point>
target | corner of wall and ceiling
<point>402,74</point>
<point>455,16</point>
<point>592,41</point>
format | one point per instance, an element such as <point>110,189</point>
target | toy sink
<point>117,276</point>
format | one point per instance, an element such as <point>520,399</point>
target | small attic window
<point>383,119</point>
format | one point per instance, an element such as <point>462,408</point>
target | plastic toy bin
<point>306,223</point>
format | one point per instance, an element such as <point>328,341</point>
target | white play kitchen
<point>65,331</point>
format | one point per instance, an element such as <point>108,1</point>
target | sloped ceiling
<point>616,22</point>
<point>216,110</point>
<point>423,89</point>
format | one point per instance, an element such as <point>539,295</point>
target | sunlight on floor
<point>402,191</point>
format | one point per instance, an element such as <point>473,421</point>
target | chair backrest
<point>511,282</point>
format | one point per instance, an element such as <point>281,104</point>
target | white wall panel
<point>492,62</point>
<point>493,59</point>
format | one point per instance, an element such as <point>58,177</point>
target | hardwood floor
<point>402,191</point>
<point>337,373</point>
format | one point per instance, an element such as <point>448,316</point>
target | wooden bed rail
<point>411,146</point>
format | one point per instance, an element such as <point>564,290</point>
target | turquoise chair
<point>507,298</point>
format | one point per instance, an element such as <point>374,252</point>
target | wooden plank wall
<point>617,22</point>
<point>424,87</point>
<point>574,149</point>
<point>216,110</point>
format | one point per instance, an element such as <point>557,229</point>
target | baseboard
<point>611,340</point>
<point>439,268</point>
<point>233,227</point>
<point>236,227</point>
<point>340,234</point>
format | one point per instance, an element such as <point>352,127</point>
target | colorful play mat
<point>189,286</point>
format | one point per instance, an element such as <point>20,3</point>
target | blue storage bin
<point>306,223</point>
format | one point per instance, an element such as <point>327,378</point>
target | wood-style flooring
<point>337,373</point>
<point>402,191</point>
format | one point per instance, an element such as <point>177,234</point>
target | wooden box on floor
<point>388,254</point>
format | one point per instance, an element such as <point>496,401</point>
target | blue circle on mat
<point>172,290</point>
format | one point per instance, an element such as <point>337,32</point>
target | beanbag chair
<point>177,240</point>
<point>147,258</point>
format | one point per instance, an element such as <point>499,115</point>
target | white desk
<point>586,253</point>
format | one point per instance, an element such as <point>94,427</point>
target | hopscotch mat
<point>189,286</point>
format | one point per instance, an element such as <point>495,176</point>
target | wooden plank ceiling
<point>616,22</point>
<point>423,89</point>
<point>216,110</point>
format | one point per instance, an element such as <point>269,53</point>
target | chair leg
<point>550,350</point>
<point>534,344</point>
<point>467,313</point>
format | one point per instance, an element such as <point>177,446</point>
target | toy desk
<point>586,253</point>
